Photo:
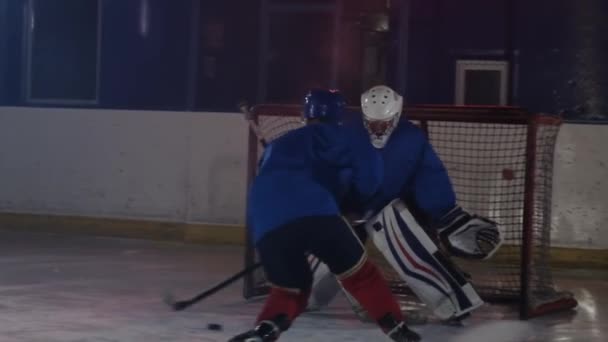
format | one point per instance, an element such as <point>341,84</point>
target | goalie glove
<point>469,236</point>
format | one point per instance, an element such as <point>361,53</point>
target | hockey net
<point>500,161</point>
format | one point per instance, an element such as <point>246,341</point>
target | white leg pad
<point>432,277</point>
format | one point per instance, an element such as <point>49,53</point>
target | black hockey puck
<point>214,326</point>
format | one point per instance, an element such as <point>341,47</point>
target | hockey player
<point>416,196</point>
<point>293,211</point>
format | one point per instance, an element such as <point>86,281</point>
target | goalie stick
<point>179,305</point>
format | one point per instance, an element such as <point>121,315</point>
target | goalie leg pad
<point>431,276</point>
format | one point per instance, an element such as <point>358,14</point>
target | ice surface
<point>56,288</point>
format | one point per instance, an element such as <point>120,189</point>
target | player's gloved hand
<point>469,236</point>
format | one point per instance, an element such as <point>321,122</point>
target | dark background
<point>207,55</point>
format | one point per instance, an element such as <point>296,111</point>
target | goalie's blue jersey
<point>414,173</point>
<point>307,172</point>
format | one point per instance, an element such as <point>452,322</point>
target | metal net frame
<point>500,161</point>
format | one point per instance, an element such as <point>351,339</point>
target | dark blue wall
<point>440,32</point>
<point>227,63</point>
<point>3,82</point>
<point>145,64</point>
<point>204,55</point>
<point>558,50</point>
<point>136,70</point>
<point>187,54</point>
<point>563,66</point>
<point>11,25</point>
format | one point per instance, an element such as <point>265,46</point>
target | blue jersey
<point>414,173</point>
<point>307,171</point>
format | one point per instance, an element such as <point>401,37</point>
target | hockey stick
<point>182,304</point>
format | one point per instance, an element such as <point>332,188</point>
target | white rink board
<point>190,167</point>
<point>580,195</point>
<point>175,166</point>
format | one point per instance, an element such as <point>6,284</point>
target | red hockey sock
<point>302,304</point>
<point>283,302</point>
<point>371,290</point>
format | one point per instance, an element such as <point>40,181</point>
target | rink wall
<point>185,173</point>
<point>169,166</point>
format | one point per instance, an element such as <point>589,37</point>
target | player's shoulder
<point>408,130</point>
<point>296,136</point>
<point>406,124</point>
<point>320,134</point>
<point>304,130</point>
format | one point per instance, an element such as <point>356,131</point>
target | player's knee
<point>346,258</point>
<point>346,270</point>
<point>298,277</point>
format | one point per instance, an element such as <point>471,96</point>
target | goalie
<point>416,193</point>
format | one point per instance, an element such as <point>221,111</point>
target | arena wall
<point>189,168</point>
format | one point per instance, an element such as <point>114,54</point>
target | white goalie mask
<point>381,108</point>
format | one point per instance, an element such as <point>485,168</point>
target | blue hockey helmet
<point>325,105</point>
